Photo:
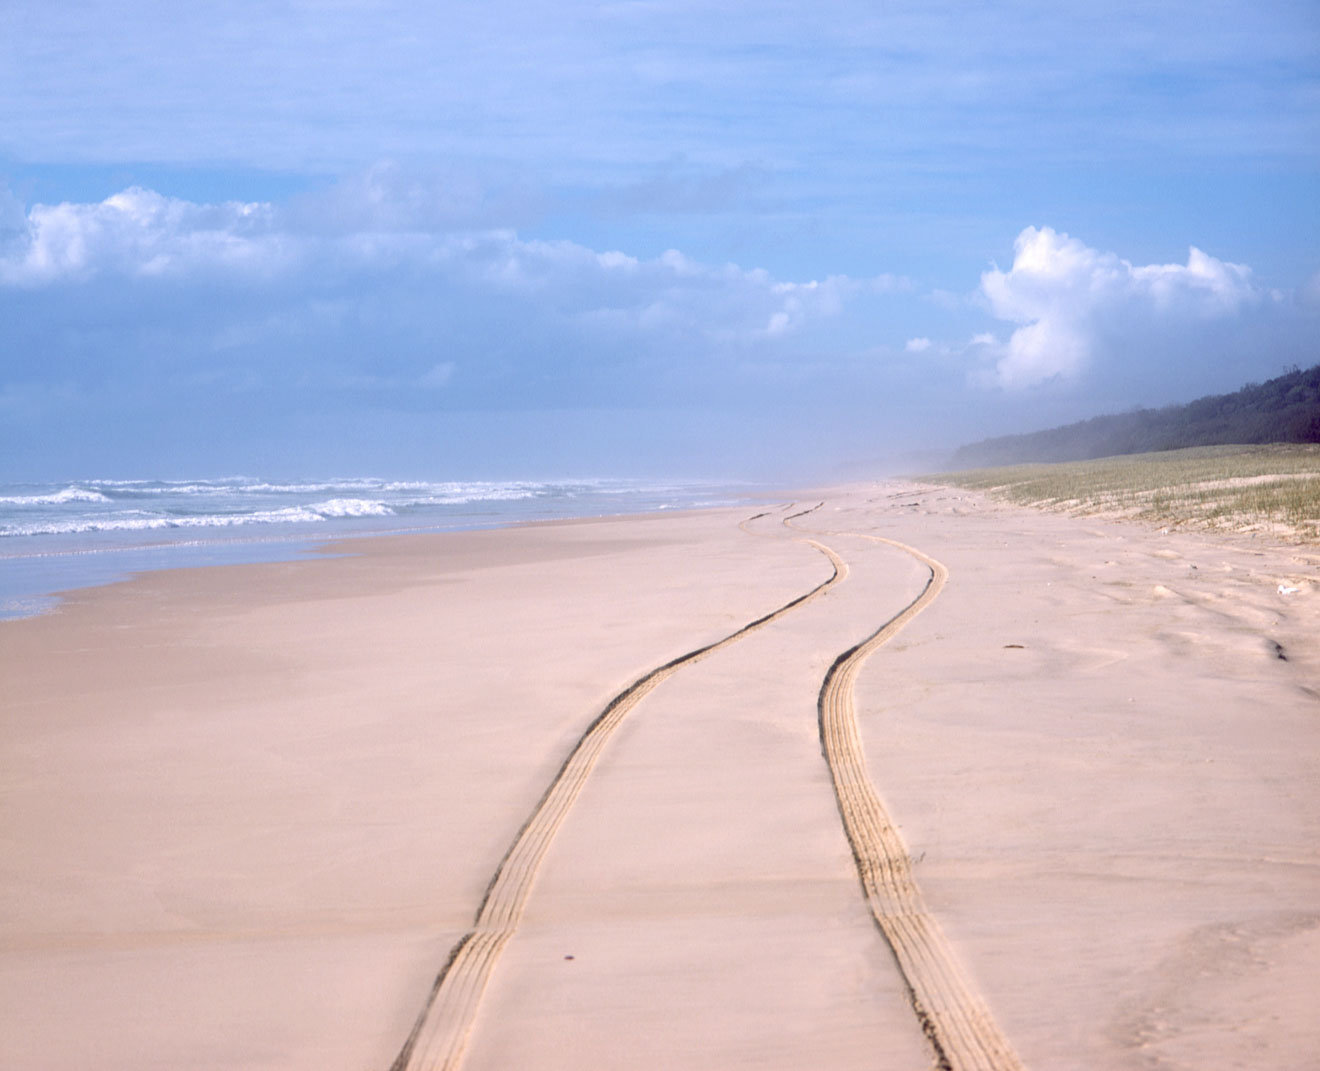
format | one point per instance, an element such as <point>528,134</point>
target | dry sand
<point>246,813</point>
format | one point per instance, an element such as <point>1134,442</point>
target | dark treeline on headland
<point>1282,410</point>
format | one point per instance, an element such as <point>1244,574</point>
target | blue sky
<point>524,239</point>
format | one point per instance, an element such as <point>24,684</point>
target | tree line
<point>1281,410</point>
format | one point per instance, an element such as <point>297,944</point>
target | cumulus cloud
<point>140,233</point>
<point>917,345</point>
<point>1073,303</point>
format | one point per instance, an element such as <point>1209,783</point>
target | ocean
<point>60,536</point>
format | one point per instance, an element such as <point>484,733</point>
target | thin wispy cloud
<point>341,85</point>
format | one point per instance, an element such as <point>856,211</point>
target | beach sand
<point>247,812</point>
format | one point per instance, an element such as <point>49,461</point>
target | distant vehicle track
<point>439,1036</point>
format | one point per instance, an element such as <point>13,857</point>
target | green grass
<point>1273,488</point>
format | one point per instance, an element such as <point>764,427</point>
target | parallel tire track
<point>441,1032</point>
<point>953,1016</point>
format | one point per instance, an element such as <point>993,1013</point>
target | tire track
<point>439,1036</point>
<point>951,1013</point>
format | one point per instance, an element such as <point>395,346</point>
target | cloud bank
<point>145,304</point>
<point>139,235</point>
<point>372,305</point>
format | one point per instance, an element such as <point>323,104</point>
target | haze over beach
<point>464,597</point>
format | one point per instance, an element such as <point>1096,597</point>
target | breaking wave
<point>90,506</point>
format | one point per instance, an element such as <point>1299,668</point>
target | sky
<point>728,240</point>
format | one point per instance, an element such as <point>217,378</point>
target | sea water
<point>60,536</point>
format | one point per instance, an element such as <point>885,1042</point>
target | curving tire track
<point>952,1015</point>
<point>439,1036</point>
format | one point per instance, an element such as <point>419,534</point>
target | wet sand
<point>249,811</point>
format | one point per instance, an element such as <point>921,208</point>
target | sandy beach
<point>1064,814</point>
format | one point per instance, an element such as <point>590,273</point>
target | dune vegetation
<point>1273,489</point>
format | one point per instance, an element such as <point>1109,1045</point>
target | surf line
<point>439,1036</point>
<point>952,1015</point>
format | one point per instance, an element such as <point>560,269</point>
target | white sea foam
<point>287,515</point>
<point>320,487</point>
<point>58,498</point>
<point>351,507</point>
<point>129,488</point>
<point>172,485</point>
<point>460,498</point>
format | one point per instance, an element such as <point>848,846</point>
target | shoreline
<point>263,802</point>
<point>38,571</point>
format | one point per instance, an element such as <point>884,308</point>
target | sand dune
<point>249,813</point>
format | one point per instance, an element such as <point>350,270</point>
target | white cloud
<point>917,345</point>
<point>579,89</point>
<point>141,233</point>
<point>1072,302</point>
<point>237,278</point>
<point>341,246</point>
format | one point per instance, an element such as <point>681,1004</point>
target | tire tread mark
<point>952,1015</point>
<point>439,1036</point>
